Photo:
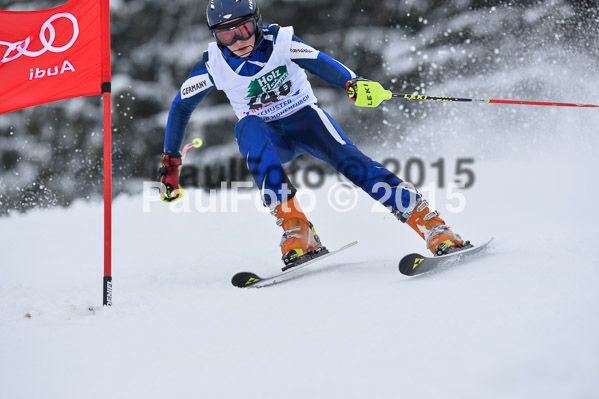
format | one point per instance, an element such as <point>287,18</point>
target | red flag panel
<point>52,54</point>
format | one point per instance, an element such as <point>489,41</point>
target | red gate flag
<point>53,54</point>
<point>63,52</point>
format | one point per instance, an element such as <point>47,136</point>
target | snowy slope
<point>519,323</point>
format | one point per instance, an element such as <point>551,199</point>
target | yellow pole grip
<point>370,94</point>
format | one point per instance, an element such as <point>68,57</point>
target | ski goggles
<point>242,30</point>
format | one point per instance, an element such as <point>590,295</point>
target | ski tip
<point>410,263</point>
<point>413,264</point>
<point>245,279</point>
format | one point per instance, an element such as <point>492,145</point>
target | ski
<point>416,264</point>
<point>248,279</point>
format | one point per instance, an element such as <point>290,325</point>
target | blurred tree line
<point>52,154</point>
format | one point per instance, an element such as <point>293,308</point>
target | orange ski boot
<point>440,239</point>
<point>299,242</point>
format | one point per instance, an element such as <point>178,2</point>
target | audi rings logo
<point>47,37</point>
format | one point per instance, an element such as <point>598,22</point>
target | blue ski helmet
<point>222,11</point>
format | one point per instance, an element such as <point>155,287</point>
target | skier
<point>261,70</point>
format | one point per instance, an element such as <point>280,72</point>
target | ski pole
<point>490,101</point>
<point>196,143</point>
<point>374,94</point>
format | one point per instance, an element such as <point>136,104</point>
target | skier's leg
<point>322,137</point>
<point>265,151</point>
<point>311,130</point>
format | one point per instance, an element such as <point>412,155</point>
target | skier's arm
<point>198,84</point>
<point>363,92</point>
<point>320,64</point>
<point>194,89</point>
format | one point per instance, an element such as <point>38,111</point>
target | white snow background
<point>520,322</point>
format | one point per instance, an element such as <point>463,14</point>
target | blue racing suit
<point>267,144</point>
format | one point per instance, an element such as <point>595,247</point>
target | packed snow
<point>519,322</point>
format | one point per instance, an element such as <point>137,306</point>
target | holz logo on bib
<point>268,82</point>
